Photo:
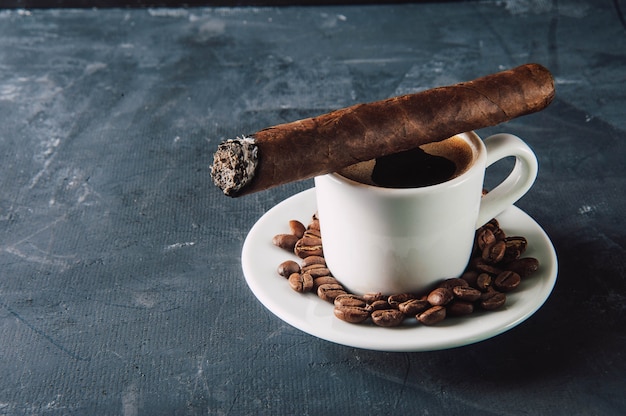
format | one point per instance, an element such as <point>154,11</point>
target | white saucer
<point>260,259</point>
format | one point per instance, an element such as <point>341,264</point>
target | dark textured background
<point>121,289</point>
<point>190,3</point>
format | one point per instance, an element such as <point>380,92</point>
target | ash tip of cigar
<point>234,164</point>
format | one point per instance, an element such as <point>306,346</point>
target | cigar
<point>330,142</point>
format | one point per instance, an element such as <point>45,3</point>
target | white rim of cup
<point>478,145</point>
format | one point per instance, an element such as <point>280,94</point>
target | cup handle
<point>519,181</point>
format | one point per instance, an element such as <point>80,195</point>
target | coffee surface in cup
<point>412,169</point>
<point>426,165</point>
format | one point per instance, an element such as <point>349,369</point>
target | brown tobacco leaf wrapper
<point>330,142</point>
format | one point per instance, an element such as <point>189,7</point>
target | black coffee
<point>412,169</point>
<point>427,165</point>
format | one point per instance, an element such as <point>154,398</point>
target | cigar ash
<point>234,164</point>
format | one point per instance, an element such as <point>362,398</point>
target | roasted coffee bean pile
<point>496,268</point>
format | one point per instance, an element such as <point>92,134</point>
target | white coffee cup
<point>396,240</point>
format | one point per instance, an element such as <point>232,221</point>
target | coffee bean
<point>316,272</point>
<point>313,260</point>
<point>479,265</point>
<point>373,296</point>
<point>301,282</point>
<point>351,314</point>
<point>387,317</point>
<point>313,232</point>
<point>329,291</point>
<point>440,296</point>
<point>314,224</point>
<point>324,280</point>
<point>288,267</point>
<point>308,246</point>
<point>493,224</point>
<point>459,308</point>
<point>466,293</point>
<point>413,306</point>
<point>285,241</point>
<point>499,234</point>
<point>494,253</point>
<point>524,266</point>
<point>487,294</point>
<point>484,238</point>
<point>379,304</point>
<point>453,282</point>
<point>432,315</point>
<point>313,266</point>
<point>395,300</point>
<point>349,299</point>
<point>484,282</point>
<point>515,247</point>
<point>470,277</point>
<point>493,300</point>
<point>507,281</point>
<point>297,228</point>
